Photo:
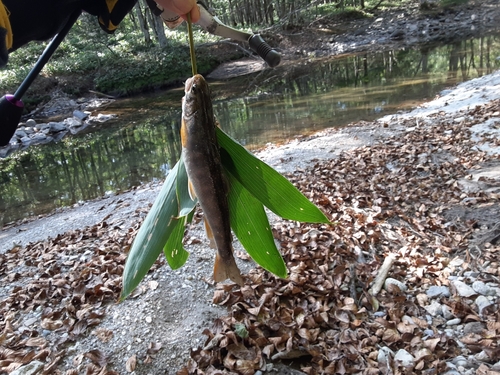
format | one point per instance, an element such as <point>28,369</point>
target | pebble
<point>435,308</point>
<point>56,127</point>
<point>453,322</point>
<point>456,262</point>
<point>483,289</point>
<point>460,361</point>
<point>407,319</point>
<point>482,303</point>
<point>463,289</point>
<point>80,115</point>
<point>450,332</point>
<point>428,332</point>
<point>482,356</point>
<point>438,291</point>
<point>384,354</point>
<point>390,281</point>
<point>447,314</point>
<point>473,327</point>
<point>149,319</point>
<point>405,358</point>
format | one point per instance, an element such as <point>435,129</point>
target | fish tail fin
<point>227,270</point>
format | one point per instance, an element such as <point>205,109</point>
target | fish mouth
<point>193,82</point>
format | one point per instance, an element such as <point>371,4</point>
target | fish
<point>207,182</point>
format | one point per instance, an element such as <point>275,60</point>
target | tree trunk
<point>142,23</point>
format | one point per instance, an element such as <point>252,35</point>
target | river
<point>271,106</point>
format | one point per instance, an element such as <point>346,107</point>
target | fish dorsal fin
<point>191,191</point>
<point>210,234</point>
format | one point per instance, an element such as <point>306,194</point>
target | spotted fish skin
<point>200,152</point>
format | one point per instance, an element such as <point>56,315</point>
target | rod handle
<point>11,110</point>
<point>264,50</point>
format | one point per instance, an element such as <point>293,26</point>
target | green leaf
<point>267,185</point>
<point>153,234</point>
<point>241,330</point>
<point>174,250</point>
<point>250,224</point>
<point>186,204</point>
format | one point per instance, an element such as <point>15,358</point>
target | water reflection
<point>271,106</point>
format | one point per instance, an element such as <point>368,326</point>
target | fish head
<point>197,95</point>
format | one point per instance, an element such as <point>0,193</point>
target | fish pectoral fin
<point>191,191</point>
<point>227,269</point>
<point>210,234</point>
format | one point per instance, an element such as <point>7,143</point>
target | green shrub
<point>452,3</point>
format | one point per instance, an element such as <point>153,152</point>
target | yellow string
<point>191,44</point>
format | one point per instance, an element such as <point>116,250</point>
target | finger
<point>195,14</point>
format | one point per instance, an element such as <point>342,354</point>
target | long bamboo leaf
<point>250,224</point>
<point>152,235</point>
<point>186,204</point>
<point>174,250</point>
<point>267,185</point>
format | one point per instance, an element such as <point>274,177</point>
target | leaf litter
<point>412,196</point>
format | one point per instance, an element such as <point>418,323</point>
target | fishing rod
<point>11,106</point>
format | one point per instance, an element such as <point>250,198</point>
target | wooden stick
<point>382,275</point>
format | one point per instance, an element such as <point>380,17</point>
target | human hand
<point>182,8</point>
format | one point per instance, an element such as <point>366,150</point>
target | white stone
<point>399,284</point>
<point>483,289</point>
<point>404,358</point>
<point>56,127</point>
<point>482,356</point>
<point>438,291</point>
<point>447,314</point>
<point>73,122</point>
<point>80,115</point>
<point>463,289</point>
<point>435,308</point>
<point>482,302</point>
<point>384,354</point>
